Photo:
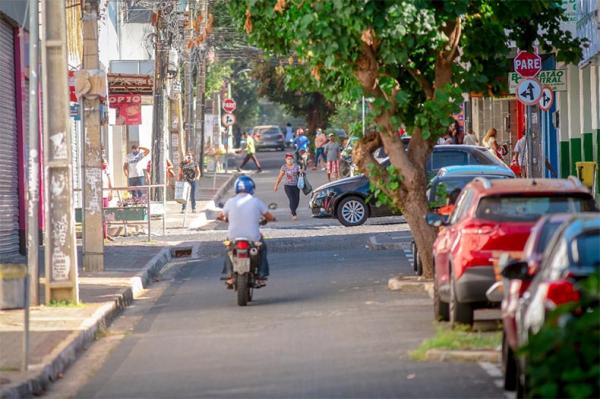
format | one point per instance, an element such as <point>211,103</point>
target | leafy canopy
<point>396,50</point>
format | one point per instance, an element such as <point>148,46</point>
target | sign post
<point>528,92</point>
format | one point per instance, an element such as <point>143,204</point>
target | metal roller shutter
<point>9,198</point>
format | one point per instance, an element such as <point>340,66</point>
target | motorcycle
<point>302,157</point>
<point>245,258</point>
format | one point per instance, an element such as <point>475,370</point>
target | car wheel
<point>509,366</point>
<point>441,309</point>
<point>352,211</point>
<point>282,148</point>
<point>460,313</point>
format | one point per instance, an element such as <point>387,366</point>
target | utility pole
<point>158,114</point>
<point>93,238</point>
<point>33,159</point>
<point>61,282</point>
<point>189,85</point>
<point>201,86</point>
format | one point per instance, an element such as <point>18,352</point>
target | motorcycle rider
<point>301,143</point>
<point>244,213</point>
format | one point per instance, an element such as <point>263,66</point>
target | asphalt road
<point>325,327</point>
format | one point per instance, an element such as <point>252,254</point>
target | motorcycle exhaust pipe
<point>253,251</point>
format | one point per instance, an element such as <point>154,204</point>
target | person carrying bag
<point>294,179</point>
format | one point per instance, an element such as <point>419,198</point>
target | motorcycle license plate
<point>241,265</point>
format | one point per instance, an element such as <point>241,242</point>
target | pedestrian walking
<point>189,172</point>
<point>106,196</point>
<point>332,155</point>
<point>489,142</point>
<point>135,168</point>
<point>320,142</point>
<point>471,138</point>
<point>289,134</point>
<point>250,152</point>
<point>291,171</point>
<point>520,157</point>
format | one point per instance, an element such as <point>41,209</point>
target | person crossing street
<point>291,170</point>
<point>250,152</point>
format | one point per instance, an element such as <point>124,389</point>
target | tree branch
<point>454,39</point>
<point>425,84</point>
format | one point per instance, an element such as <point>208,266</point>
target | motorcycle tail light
<point>561,292</point>
<point>242,245</point>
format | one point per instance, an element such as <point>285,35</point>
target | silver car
<point>268,136</point>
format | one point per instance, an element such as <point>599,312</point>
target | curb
<point>410,284</point>
<point>75,344</point>
<point>375,245</point>
<point>490,356</point>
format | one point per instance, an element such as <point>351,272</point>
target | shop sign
<point>120,83</point>
<point>129,108</point>
<point>554,78</point>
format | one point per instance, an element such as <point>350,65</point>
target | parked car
<point>451,178</point>
<point>269,136</point>
<point>572,255</point>
<point>349,199</point>
<point>492,217</point>
<point>513,290</point>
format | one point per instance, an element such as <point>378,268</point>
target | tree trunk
<point>415,210</point>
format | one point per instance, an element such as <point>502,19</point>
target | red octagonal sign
<point>527,65</point>
<point>229,105</point>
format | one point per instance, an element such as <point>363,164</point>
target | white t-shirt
<point>137,164</point>
<point>244,212</point>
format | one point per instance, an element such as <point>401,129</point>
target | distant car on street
<point>491,218</point>
<point>269,136</point>
<point>571,255</point>
<point>349,199</point>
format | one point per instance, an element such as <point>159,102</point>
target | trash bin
<point>12,285</point>
<point>587,173</point>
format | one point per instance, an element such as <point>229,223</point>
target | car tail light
<point>561,292</point>
<point>257,136</point>
<point>242,245</point>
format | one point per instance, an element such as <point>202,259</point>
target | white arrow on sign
<point>529,91</point>
<point>228,120</point>
<point>547,98</point>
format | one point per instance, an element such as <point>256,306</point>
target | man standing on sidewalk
<point>250,152</point>
<point>135,168</point>
<point>332,155</point>
<point>189,172</point>
<point>320,142</point>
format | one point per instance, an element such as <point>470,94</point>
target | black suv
<point>349,199</point>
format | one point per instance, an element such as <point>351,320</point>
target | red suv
<point>491,218</point>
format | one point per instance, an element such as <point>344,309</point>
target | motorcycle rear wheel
<point>243,289</point>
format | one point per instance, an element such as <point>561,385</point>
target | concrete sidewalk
<point>59,334</point>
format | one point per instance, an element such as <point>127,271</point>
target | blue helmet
<point>244,184</point>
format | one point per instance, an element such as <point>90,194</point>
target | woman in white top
<point>489,142</point>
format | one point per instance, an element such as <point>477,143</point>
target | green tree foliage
<point>415,58</point>
<point>563,358</point>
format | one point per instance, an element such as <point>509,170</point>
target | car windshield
<point>523,208</point>
<point>268,130</point>
<point>446,186</point>
<point>548,230</point>
<point>584,250</point>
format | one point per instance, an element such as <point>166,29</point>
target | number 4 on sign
<point>546,99</point>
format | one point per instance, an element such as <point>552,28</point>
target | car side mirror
<point>436,220</point>
<point>515,270</point>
